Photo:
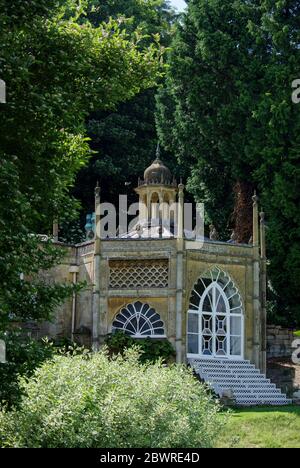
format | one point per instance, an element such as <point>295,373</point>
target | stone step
<point>243,388</point>
<point>237,365</point>
<point>221,375</point>
<point>266,383</point>
<point>235,379</point>
<point>229,371</point>
<point>266,402</point>
<point>224,365</point>
<point>248,385</point>
<point>218,361</point>
<point>259,394</point>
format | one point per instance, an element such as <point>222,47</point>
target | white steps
<point>248,385</point>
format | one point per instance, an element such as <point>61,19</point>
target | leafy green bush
<point>23,356</point>
<point>151,350</point>
<point>93,401</point>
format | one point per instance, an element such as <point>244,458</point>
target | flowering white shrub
<point>92,401</point>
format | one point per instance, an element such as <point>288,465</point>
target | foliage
<point>151,350</point>
<point>23,356</point>
<point>205,124</point>
<point>25,297</point>
<point>124,140</point>
<point>93,402</point>
<point>228,114</point>
<point>57,70</point>
<point>152,16</point>
<point>71,232</point>
<point>275,145</point>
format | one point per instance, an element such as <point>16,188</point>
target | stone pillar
<point>179,274</point>
<point>256,287</point>
<point>160,211</point>
<point>171,214</point>
<point>104,286</point>
<point>149,195</point>
<point>180,220</point>
<point>74,270</point>
<point>97,260</point>
<point>255,221</point>
<point>263,277</point>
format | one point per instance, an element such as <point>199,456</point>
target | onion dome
<point>158,173</point>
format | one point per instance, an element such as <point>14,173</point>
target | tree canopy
<point>58,68</point>
<point>124,140</point>
<point>227,112</point>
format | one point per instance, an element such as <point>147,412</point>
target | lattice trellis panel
<point>132,274</point>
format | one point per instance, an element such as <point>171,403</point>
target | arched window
<point>215,317</point>
<point>139,321</point>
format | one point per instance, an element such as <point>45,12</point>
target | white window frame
<point>138,315</point>
<point>215,285</point>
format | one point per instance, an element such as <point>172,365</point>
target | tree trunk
<point>242,218</point>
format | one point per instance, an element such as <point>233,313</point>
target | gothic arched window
<point>139,321</point>
<point>215,317</point>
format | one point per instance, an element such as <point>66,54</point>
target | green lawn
<point>262,428</point>
<point>297,333</point>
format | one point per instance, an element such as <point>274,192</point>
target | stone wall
<point>279,341</point>
<point>285,374</point>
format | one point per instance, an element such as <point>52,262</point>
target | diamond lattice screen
<point>139,274</point>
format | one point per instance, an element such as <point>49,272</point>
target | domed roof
<point>158,173</point>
